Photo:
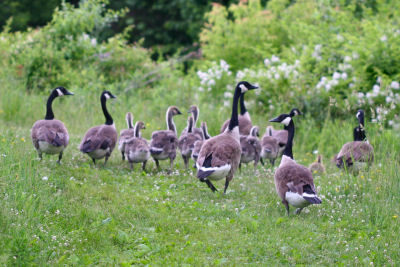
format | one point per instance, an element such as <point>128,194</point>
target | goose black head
<point>283,118</point>
<point>295,112</point>
<point>60,91</point>
<point>360,116</point>
<point>245,86</point>
<point>107,95</point>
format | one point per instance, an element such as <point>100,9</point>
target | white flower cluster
<point>208,78</point>
<point>329,83</point>
<point>317,52</point>
<point>275,71</point>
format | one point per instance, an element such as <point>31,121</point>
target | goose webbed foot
<point>226,185</point>
<point>286,206</point>
<point>94,161</point>
<point>157,164</point>
<point>123,156</point>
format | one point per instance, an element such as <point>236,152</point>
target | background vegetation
<point>328,58</point>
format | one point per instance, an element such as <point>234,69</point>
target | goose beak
<point>275,120</point>
<point>69,93</point>
<point>252,87</point>
<point>178,112</point>
<point>113,96</point>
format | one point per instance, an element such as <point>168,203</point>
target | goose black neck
<point>109,119</point>
<point>49,109</point>
<point>359,134</point>
<point>234,117</point>
<point>243,109</point>
<point>288,149</point>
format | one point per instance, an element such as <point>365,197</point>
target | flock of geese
<point>215,157</point>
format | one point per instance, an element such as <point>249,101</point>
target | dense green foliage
<point>328,58</point>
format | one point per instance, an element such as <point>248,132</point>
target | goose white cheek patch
<point>286,121</point>
<point>358,114</point>
<point>59,92</point>
<point>107,96</point>
<point>243,88</point>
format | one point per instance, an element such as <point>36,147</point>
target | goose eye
<point>281,145</point>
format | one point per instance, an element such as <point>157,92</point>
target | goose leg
<point>123,155</point>
<point>105,161</point>
<point>299,210</point>
<point>131,163</point>
<point>144,165</point>
<point>286,206</point>
<point>228,179</point>
<point>272,162</point>
<point>240,167</point>
<point>94,161</point>
<point>186,161</point>
<point>256,160</point>
<point>210,185</point>
<point>262,161</point>
<point>157,164</point>
<point>171,164</point>
<point>40,156</point>
<point>60,157</point>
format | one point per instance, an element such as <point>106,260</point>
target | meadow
<point>327,58</point>
<point>79,214</point>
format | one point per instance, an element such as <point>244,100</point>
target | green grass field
<point>78,214</point>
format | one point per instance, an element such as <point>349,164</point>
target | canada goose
<point>99,141</point>
<point>251,147</point>
<point>49,135</point>
<point>244,120</point>
<point>199,143</point>
<point>294,183</point>
<point>358,154</point>
<point>195,113</point>
<point>164,142</point>
<point>219,156</point>
<point>136,148</point>
<point>282,135</point>
<point>187,140</point>
<point>126,134</point>
<point>317,167</point>
<point>270,146</point>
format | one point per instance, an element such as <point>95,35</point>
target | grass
<point>78,214</point>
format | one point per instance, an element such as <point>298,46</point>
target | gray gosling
<point>164,142</point>
<point>195,113</point>
<point>359,154</point>
<point>50,136</point>
<point>198,144</point>
<point>317,167</point>
<point>126,134</point>
<point>137,149</point>
<point>219,156</point>
<point>294,183</point>
<point>244,120</point>
<point>269,146</point>
<point>99,141</point>
<point>251,147</point>
<point>187,140</point>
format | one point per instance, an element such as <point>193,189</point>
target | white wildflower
<point>347,59</point>
<point>384,38</point>
<point>45,178</point>
<point>93,41</point>
<point>277,76</point>
<point>267,62</point>
<point>344,76</point>
<point>376,89</point>
<point>336,75</point>
<point>274,59</point>
<point>395,85</point>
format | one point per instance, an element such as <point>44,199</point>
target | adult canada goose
<point>317,167</point>
<point>187,140</point>
<point>195,113</point>
<point>282,135</point>
<point>50,135</point>
<point>270,146</point>
<point>244,120</point>
<point>251,147</point>
<point>294,183</point>
<point>99,141</point>
<point>358,154</point>
<point>164,142</point>
<point>126,134</point>
<point>219,156</point>
<point>198,144</point>
<point>136,148</point>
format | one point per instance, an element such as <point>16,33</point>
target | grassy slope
<point>94,215</point>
